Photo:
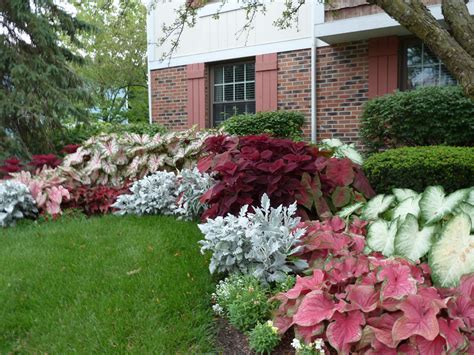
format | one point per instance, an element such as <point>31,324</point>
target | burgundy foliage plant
<point>10,165</point>
<point>287,171</point>
<point>40,160</point>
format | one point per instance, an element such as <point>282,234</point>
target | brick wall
<point>169,97</point>
<point>341,88</point>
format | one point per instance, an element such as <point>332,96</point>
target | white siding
<point>218,39</point>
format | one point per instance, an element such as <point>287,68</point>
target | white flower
<point>318,344</point>
<point>270,324</point>
<point>218,309</point>
<point>296,344</point>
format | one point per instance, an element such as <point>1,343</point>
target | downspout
<point>148,53</point>
<point>313,74</point>
<point>150,117</point>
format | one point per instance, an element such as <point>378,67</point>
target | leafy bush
<point>243,300</point>
<point>16,203</point>
<point>259,243</point>
<point>264,338</point>
<point>412,225</point>
<point>94,199</point>
<point>280,124</point>
<point>248,167</point>
<point>418,167</point>
<point>427,116</point>
<point>341,150</point>
<point>113,160</point>
<point>47,189</point>
<point>192,185</point>
<point>363,303</point>
<point>154,194</point>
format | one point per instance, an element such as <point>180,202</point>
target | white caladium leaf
<point>468,209</point>
<point>435,205</point>
<point>350,210</point>
<point>470,197</point>
<point>376,206</point>
<point>381,236</point>
<point>411,205</point>
<point>403,194</point>
<point>452,255</point>
<point>411,242</point>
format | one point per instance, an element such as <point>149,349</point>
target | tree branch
<point>457,16</point>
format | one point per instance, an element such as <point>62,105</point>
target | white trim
<point>240,52</point>
<point>213,9</point>
<point>363,27</point>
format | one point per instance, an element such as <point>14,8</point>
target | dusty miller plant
<point>192,185</point>
<point>16,203</point>
<point>154,194</point>
<point>259,243</point>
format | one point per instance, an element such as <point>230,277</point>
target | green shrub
<point>426,116</point>
<point>264,338</point>
<point>281,124</point>
<point>419,167</point>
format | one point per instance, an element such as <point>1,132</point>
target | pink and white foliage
<point>371,304</point>
<point>46,188</point>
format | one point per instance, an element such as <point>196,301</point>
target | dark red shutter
<point>196,75</point>
<point>383,65</point>
<point>266,82</point>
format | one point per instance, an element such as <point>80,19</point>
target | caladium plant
<point>338,149</point>
<point>109,159</point>
<point>248,167</point>
<point>360,303</point>
<point>409,224</point>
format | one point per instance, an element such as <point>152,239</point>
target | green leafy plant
<point>280,124</point>
<point>264,338</point>
<point>419,167</point>
<point>426,116</point>
<point>414,225</point>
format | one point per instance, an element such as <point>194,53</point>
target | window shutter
<point>196,77</point>
<point>266,70</point>
<point>383,65</point>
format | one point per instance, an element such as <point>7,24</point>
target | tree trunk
<point>416,18</point>
<point>461,23</point>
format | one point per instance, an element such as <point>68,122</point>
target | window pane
<point>250,72</point>
<point>445,77</point>
<point>218,93</point>
<point>219,75</point>
<point>414,55</point>
<point>229,92</point>
<point>239,72</point>
<point>239,92</point>
<point>250,94</point>
<point>229,74</point>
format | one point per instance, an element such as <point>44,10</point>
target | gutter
<point>314,119</point>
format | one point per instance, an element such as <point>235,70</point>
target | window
<point>233,90</point>
<point>422,68</point>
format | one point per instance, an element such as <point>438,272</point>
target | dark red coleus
<point>10,165</point>
<point>40,160</point>
<point>287,171</point>
<point>94,199</point>
<point>70,148</point>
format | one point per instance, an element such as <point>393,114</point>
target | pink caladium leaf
<point>449,330</point>
<point>462,307</point>
<point>435,346</point>
<point>364,297</point>
<point>419,318</point>
<point>309,333</point>
<point>306,284</point>
<point>345,330</point>
<point>314,308</point>
<point>382,328</point>
<point>397,281</point>
<point>379,347</point>
<point>340,171</point>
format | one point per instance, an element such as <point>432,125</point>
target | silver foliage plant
<point>259,244</point>
<point>167,193</point>
<point>16,203</point>
<point>192,185</point>
<point>154,194</point>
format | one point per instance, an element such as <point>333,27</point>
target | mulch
<point>232,341</point>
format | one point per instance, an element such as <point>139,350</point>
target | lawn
<point>104,285</point>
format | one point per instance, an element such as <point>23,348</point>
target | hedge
<point>280,124</point>
<point>426,116</point>
<point>419,167</point>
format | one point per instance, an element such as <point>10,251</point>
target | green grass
<point>104,285</point>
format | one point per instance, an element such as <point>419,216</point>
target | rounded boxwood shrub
<point>419,167</point>
<point>426,116</point>
<point>280,124</point>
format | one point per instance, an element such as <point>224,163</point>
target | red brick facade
<point>342,89</point>
<point>169,97</point>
